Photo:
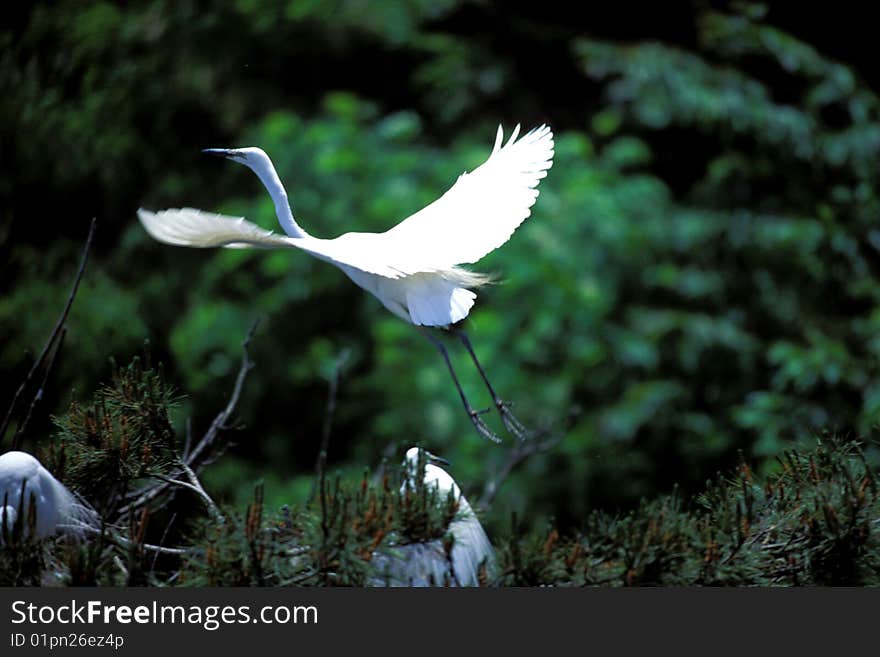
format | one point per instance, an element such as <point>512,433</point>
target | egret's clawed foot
<point>481,427</point>
<point>516,428</point>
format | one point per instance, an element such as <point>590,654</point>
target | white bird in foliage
<point>24,485</point>
<point>425,564</point>
<point>414,268</point>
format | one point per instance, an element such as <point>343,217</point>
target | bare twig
<point>53,336</point>
<point>120,565</point>
<point>195,488</point>
<point>299,579</point>
<point>161,549</point>
<point>387,452</point>
<point>125,543</point>
<point>541,441</point>
<point>330,411</point>
<point>196,458</point>
<point>212,506</point>
<point>200,451</point>
<point>161,541</point>
<point>38,397</point>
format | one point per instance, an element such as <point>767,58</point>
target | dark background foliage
<point>698,277</point>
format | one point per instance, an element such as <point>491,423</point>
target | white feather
<point>56,508</point>
<point>477,215</point>
<point>425,564</point>
<point>471,547</point>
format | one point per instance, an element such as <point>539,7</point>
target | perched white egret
<point>414,268</point>
<point>56,508</point>
<point>424,564</point>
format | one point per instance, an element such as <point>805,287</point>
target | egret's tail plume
<point>466,278</point>
<point>76,517</point>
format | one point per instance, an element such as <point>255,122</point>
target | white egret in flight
<point>414,268</point>
<point>424,564</point>
<point>23,481</point>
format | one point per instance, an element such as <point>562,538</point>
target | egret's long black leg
<point>514,426</point>
<point>481,427</point>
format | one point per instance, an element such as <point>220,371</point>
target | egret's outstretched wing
<point>477,215</point>
<point>191,227</point>
<point>195,228</point>
<point>480,211</point>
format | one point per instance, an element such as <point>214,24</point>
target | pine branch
<point>198,456</point>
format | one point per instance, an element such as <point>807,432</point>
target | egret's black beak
<point>436,460</point>
<point>220,152</point>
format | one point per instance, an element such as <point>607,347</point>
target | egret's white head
<point>412,458</point>
<point>257,161</point>
<point>250,156</point>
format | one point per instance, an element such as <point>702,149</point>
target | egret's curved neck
<point>266,172</point>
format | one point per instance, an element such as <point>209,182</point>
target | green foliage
<point>698,277</point>
<point>331,541</point>
<point>122,435</point>
<point>747,314</point>
<point>812,523</point>
<point>238,552</point>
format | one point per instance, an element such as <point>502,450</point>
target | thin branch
<point>162,540</point>
<point>541,441</point>
<point>195,486</point>
<point>197,457</point>
<point>19,432</point>
<point>53,336</point>
<point>330,411</point>
<point>177,482</point>
<point>120,565</point>
<point>212,506</point>
<point>388,452</point>
<point>163,550</point>
<point>125,543</point>
<point>299,579</point>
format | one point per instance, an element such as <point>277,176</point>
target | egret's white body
<point>413,268</point>
<point>471,548</point>
<point>423,564</point>
<point>57,509</point>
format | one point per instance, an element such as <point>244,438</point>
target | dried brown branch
<point>521,451</point>
<point>196,458</point>
<point>540,442</point>
<point>202,451</point>
<point>53,337</point>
